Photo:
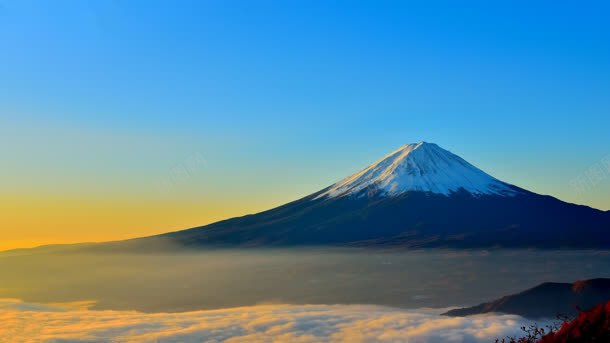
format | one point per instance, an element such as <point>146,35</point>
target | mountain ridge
<point>546,300</point>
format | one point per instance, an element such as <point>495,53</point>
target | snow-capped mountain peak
<point>423,167</point>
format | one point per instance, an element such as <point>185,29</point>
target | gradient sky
<point>126,118</point>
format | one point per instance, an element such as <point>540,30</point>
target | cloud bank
<point>23,322</point>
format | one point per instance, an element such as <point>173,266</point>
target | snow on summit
<point>424,167</point>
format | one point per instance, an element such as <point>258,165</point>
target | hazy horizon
<point>315,295</point>
<point>219,278</point>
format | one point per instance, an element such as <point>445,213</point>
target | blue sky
<point>278,99</point>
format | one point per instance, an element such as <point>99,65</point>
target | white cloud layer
<point>23,322</point>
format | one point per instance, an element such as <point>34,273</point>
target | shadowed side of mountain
<point>411,220</point>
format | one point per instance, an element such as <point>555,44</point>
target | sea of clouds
<point>26,322</point>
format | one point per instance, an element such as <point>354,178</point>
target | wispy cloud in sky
<point>24,322</point>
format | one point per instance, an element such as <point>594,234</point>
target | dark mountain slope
<point>414,219</point>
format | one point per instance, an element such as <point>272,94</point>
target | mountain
<point>417,196</point>
<point>421,167</point>
<point>546,300</point>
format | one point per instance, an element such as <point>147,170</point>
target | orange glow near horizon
<point>34,221</point>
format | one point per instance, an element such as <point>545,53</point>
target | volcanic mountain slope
<point>546,300</point>
<point>418,196</point>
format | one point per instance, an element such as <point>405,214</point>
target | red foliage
<point>590,326</point>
